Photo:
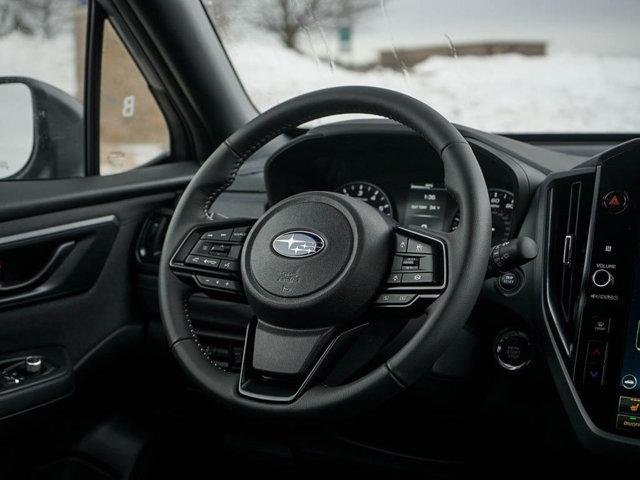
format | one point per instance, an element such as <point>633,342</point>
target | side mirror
<point>41,131</point>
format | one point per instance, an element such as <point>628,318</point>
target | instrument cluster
<point>428,205</point>
<point>394,171</point>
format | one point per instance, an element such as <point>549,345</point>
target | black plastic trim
<point>92,74</point>
<point>33,197</point>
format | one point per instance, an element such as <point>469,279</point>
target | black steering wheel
<point>318,266</point>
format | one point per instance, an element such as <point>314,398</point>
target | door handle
<point>57,257</point>
<point>54,261</point>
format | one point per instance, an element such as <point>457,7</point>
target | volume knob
<point>602,278</point>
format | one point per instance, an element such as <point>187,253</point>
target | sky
<point>607,27</point>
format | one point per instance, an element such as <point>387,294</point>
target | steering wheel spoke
<point>279,364</point>
<point>419,269</point>
<point>209,257</point>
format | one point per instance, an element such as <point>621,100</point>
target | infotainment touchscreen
<point>630,374</point>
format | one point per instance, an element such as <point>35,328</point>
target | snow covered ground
<point>560,92</point>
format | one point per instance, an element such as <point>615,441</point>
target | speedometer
<point>369,193</point>
<point>501,202</point>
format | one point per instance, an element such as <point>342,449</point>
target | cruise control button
<point>629,405</point>
<point>239,234</point>
<point>411,263</point>
<point>426,263</point>
<point>197,260</point>
<point>235,251</point>
<point>415,246</point>
<point>202,248</point>
<point>221,283</point>
<point>229,265</point>
<point>411,278</point>
<point>395,298</point>
<point>401,244</point>
<point>210,262</point>
<point>394,278</point>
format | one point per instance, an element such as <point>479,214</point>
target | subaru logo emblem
<point>297,244</point>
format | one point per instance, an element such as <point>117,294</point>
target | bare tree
<point>288,18</point>
<point>33,17</point>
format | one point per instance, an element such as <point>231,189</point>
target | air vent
<point>571,238</point>
<point>151,238</point>
<point>570,201</point>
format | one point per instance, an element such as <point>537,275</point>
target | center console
<point>607,366</point>
<point>593,281</point>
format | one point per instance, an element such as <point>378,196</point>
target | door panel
<point>85,297</point>
<point>54,261</point>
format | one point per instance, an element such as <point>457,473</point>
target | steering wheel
<point>317,267</point>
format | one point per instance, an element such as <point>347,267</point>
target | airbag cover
<point>296,276</point>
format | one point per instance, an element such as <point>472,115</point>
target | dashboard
<point>577,301</point>
<point>397,174</point>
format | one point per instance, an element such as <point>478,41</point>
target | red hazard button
<point>615,202</point>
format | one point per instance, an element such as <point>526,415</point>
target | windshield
<point>511,66</point>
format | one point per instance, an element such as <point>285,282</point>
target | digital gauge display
<point>426,206</point>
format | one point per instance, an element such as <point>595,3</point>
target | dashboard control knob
<point>513,350</point>
<point>33,364</point>
<point>602,278</point>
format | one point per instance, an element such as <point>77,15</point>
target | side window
<point>41,88</point>
<point>133,130</point>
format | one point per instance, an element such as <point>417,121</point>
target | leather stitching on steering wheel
<point>192,330</point>
<point>227,183</point>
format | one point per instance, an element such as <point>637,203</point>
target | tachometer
<point>369,193</point>
<point>501,202</point>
